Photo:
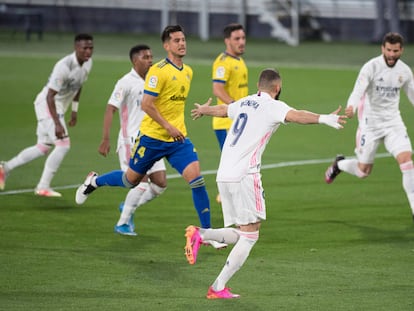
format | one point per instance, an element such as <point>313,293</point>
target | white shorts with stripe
<point>395,139</point>
<point>242,202</point>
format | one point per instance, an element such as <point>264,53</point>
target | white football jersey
<point>67,78</point>
<point>127,97</point>
<point>255,119</point>
<point>376,93</point>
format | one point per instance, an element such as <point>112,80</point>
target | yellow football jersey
<point>231,71</point>
<point>170,85</point>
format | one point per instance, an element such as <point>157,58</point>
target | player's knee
<point>406,166</point>
<point>44,148</point>
<point>157,189</point>
<point>126,182</point>
<point>64,148</point>
<point>363,174</point>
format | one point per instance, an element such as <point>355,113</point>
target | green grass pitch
<point>344,246</point>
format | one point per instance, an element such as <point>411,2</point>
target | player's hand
<point>73,118</point>
<point>60,131</point>
<point>175,133</point>
<point>198,111</point>
<point>349,111</point>
<point>104,147</point>
<point>333,120</point>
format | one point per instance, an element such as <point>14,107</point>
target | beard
<point>278,94</point>
<point>391,65</point>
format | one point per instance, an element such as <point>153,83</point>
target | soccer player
<point>62,90</point>
<point>126,98</point>
<point>376,96</point>
<point>162,132</point>
<point>255,119</point>
<point>230,77</point>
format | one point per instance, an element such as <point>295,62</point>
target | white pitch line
<point>211,172</point>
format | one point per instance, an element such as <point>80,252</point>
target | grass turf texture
<point>345,246</point>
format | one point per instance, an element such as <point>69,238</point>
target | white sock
<point>407,170</point>
<point>152,191</point>
<point>141,194</point>
<point>223,235</point>
<point>25,156</point>
<point>131,202</point>
<point>52,164</point>
<point>351,167</point>
<point>236,258</point>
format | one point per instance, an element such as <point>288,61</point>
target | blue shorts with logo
<point>148,150</point>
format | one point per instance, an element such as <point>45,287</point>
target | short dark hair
<point>393,38</point>
<point>136,49</point>
<point>230,28</point>
<point>165,36</point>
<point>83,37</point>
<point>268,77</point>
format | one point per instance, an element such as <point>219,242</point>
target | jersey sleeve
<point>360,86</point>
<point>58,77</point>
<point>221,71</point>
<point>232,110</point>
<point>118,94</point>
<point>409,86</point>
<point>281,111</point>
<point>153,81</point>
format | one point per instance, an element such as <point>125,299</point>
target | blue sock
<point>201,201</point>
<point>113,179</point>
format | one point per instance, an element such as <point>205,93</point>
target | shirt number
<point>238,128</point>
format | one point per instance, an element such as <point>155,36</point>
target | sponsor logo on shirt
<point>387,91</point>
<point>178,98</point>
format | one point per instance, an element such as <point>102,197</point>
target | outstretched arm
<point>306,117</point>
<point>207,110</point>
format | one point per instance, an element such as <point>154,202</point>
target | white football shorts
<point>395,139</point>
<point>243,202</point>
<point>45,130</point>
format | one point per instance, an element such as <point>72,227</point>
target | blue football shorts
<point>148,150</point>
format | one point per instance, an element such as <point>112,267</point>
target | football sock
<point>114,179</point>
<point>151,192</point>
<point>136,197</point>
<point>407,170</point>
<point>52,164</point>
<point>236,258</point>
<point>201,201</point>
<point>26,155</point>
<point>351,167</point>
<point>131,202</point>
<point>223,235</point>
